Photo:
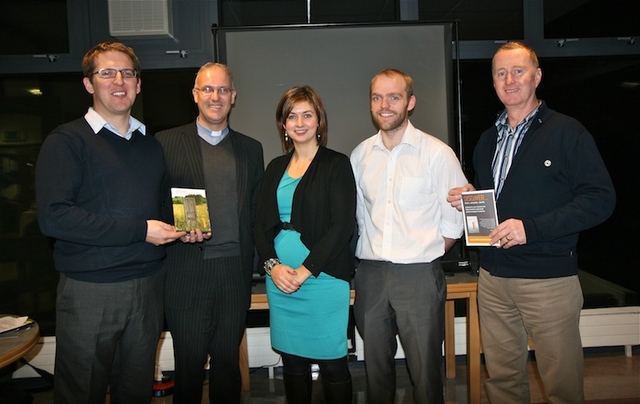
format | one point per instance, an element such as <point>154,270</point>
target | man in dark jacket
<point>550,184</point>
<point>208,287</point>
<point>99,184</point>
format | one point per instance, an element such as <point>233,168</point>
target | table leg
<point>473,349</point>
<point>244,363</point>
<point>449,339</point>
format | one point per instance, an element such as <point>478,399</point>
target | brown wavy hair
<point>294,96</point>
<point>89,60</point>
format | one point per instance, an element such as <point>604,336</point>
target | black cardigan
<point>323,212</point>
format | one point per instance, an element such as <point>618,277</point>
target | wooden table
<point>15,344</point>
<point>459,286</point>
<point>463,286</point>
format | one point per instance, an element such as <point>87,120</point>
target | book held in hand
<point>190,209</point>
<point>480,216</point>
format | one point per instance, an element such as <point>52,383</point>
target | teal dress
<point>311,322</point>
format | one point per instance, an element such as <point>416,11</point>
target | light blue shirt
<point>97,122</point>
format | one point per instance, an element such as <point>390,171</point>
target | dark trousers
<point>107,337</point>
<point>210,323</point>
<point>405,300</point>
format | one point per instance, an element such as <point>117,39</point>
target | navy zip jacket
<point>557,185</point>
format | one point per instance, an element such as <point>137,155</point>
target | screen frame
<point>407,49</point>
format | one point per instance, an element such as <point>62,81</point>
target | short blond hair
<point>513,45</point>
<point>395,72</point>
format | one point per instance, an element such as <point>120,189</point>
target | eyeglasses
<point>208,90</point>
<point>109,73</point>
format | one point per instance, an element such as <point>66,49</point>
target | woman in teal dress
<point>304,221</point>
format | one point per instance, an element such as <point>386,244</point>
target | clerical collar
<point>211,136</point>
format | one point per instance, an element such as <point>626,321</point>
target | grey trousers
<point>107,338</point>
<point>405,300</point>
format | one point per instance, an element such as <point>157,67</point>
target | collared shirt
<point>507,146</point>
<point>211,136</point>
<point>402,207</point>
<point>97,122</point>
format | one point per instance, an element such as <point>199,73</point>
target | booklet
<point>190,209</point>
<point>480,216</point>
<point>14,323</point>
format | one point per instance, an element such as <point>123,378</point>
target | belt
<point>284,226</point>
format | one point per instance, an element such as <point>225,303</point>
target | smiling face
<point>113,97</point>
<point>301,124</point>
<point>390,103</point>
<point>214,106</point>
<point>515,79</point>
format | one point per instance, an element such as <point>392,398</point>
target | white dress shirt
<point>402,207</point>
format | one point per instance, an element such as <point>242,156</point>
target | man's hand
<point>455,195</point>
<point>159,233</point>
<point>195,236</point>
<point>508,234</point>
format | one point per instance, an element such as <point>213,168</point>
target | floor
<point>610,377</point>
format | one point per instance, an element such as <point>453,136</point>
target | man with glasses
<point>99,184</point>
<point>208,288</point>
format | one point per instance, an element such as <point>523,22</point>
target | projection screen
<point>338,61</point>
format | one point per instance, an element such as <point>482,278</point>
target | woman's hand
<point>287,279</point>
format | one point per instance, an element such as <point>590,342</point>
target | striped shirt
<point>507,146</point>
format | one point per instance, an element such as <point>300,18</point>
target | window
<point>591,19</point>
<point>235,13</point>
<point>479,19</point>
<point>29,27</point>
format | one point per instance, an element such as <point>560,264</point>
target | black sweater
<point>94,194</point>
<point>557,185</point>
<point>323,212</point>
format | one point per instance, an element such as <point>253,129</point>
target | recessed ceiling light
<point>629,84</point>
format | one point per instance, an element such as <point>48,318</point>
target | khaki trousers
<point>548,310</point>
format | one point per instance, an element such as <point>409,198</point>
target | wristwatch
<point>269,264</point>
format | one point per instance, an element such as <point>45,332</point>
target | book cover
<point>190,209</point>
<point>480,216</point>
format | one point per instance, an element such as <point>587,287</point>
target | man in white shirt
<point>405,225</point>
